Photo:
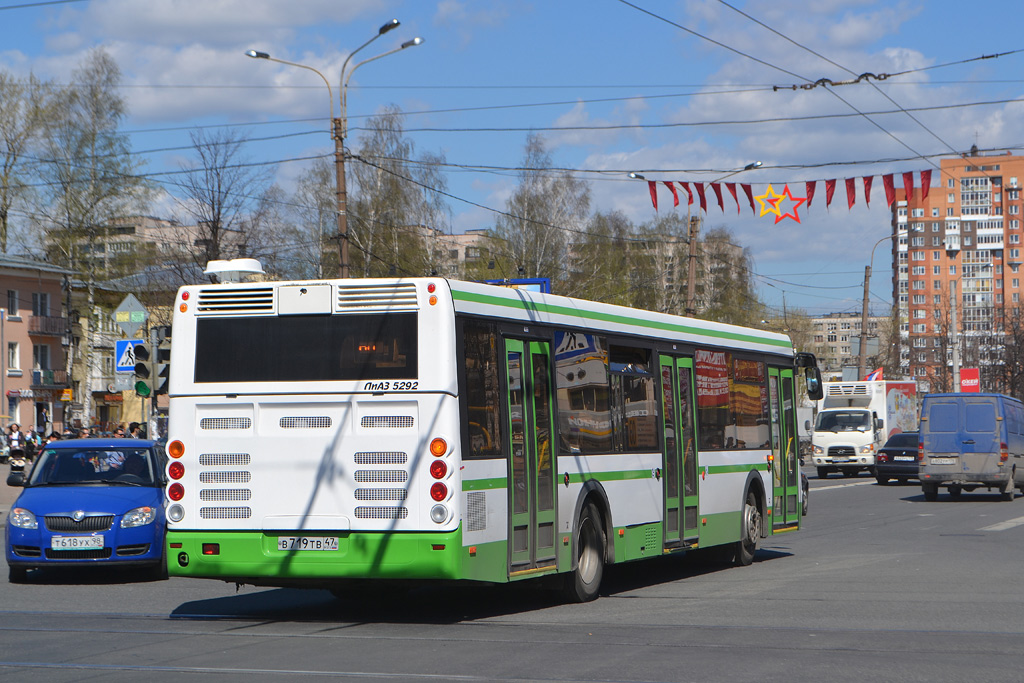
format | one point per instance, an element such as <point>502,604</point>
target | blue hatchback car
<point>89,502</point>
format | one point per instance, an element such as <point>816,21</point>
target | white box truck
<point>855,419</point>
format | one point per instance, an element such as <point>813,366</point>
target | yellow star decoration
<point>769,199</point>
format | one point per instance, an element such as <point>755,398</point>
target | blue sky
<point>612,86</point>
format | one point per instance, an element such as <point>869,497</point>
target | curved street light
<point>339,125</point>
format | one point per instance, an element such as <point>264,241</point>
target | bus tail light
<point>176,491</point>
<point>438,491</point>
<point>175,513</point>
<point>438,514</point>
<point>176,470</point>
<point>438,447</point>
<point>438,469</point>
<point>175,449</point>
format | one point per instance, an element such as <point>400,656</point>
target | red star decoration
<point>796,202</point>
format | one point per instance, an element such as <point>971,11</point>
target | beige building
<point>831,340</point>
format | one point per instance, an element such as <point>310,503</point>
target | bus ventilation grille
<point>222,459</point>
<point>381,494</point>
<point>221,495</point>
<point>368,298</point>
<point>387,421</point>
<point>225,513</point>
<point>381,476</point>
<point>225,477</point>
<point>476,511</point>
<point>227,301</point>
<point>225,423</point>
<point>381,458</point>
<point>381,513</point>
<point>304,422</point>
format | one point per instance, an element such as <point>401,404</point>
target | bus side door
<point>531,532</point>
<point>785,449</point>
<point>680,468</point>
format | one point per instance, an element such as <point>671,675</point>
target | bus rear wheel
<point>750,533</point>
<point>584,581</point>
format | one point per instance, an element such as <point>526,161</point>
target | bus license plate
<point>943,461</point>
<point>76,542</point>
<point>307,543</point>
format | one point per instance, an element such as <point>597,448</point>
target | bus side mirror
<point>807,425</point>
<point>812,377</point>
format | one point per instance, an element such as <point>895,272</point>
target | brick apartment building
<point>957,259</point>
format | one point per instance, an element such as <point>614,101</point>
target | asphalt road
<point>879,586</point>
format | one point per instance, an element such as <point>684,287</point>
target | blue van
<point>971,440</point>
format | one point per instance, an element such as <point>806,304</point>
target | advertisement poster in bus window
<point>712,378</point>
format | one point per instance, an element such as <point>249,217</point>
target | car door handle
<point>970,441</point>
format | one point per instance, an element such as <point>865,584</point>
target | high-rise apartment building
<point>956,274</point>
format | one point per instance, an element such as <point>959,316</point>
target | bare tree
<point>533,236</point>
<point>23,113</point>
<point>223,194</point>
<point>311,252</point>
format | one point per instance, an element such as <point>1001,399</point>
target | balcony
<point>49,379</point>
<point>49,325</point>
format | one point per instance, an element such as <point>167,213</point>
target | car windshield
<point>902,440</point>
<point>128,466</point>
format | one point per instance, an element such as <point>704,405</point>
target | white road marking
<point>842,486</point>
<point>1003,526</point>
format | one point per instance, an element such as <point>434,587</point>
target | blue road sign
<point>124,354</point>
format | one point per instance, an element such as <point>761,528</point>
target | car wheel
<point>750,532</point>
<point>850,473</point>
<point>931,492</point>
<point>822,473</point>
<point>954,491</point>
<point>583,583</point>
<point>881,479</point>
<point>17,575</point>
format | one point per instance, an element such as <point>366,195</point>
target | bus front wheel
<point>584,581</point>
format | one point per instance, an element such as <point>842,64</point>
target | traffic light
<point>162,368</point>
<point>143,370</point>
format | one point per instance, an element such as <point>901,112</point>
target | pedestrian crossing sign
<point>124,353</point>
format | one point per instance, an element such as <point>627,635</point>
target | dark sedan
<point>88,502</point>
<point>897,459</point>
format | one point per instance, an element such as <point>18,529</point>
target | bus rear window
<point>306,348</point>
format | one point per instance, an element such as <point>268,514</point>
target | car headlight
<point>22,519</point>
<point>138,517</point>
<point>818,450</point>
<point>870,448</point>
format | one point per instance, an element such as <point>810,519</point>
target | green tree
<point>727,292</point>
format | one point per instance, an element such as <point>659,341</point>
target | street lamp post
<point>862,356</point>
<point>339,127</point>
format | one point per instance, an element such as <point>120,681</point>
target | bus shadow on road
<point>446,603</point>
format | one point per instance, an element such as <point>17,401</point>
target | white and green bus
<point>425,428</point>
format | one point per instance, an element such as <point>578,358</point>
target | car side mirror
<point>807,425</point>
<point>16,479</point>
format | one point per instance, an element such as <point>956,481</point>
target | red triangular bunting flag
<point>809,190</point>
<point>908,185</point>
<point>717,187</point>
<point>867,189</point>
<point>732,190</point>
<point>653,187</point>
<point>747,190</point>
<point>700,194</point>
<point>830,189</point>
<point>890,191</point>
<point>689,192</point>
<point>926,183</point>
<point>675,196</point>
<point>851,193</point>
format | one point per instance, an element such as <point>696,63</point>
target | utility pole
<point>862,362</point>
<point>956,336</point>
<point>691,276</point>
